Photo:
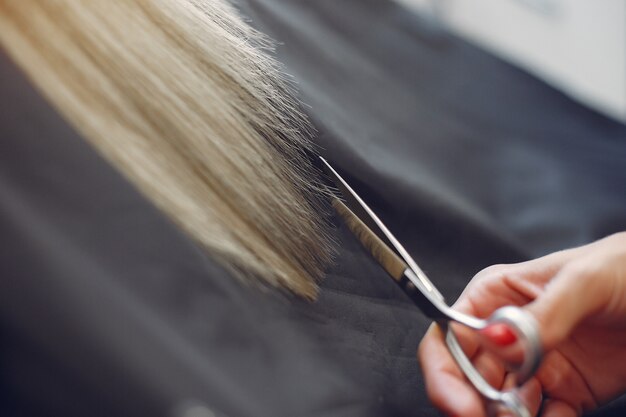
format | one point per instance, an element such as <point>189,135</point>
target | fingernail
<point>499,334</point>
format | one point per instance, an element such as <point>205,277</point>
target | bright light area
<point>578,46</point>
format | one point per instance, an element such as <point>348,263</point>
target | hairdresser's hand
<point>578,297</point>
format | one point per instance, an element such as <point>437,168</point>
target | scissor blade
<point>367,216</point>
<point>388,259</point>
<point>370,241</point>
<point>355,204</point>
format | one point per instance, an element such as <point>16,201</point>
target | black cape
<point>106,309</point>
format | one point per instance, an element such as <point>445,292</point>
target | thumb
<point>573,295</point>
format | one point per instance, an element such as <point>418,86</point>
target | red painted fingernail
<point>500,334</point>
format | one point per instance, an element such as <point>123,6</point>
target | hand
<point>578,297</point>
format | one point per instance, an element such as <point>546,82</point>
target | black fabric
<point>107,309</point>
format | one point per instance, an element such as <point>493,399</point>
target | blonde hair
<point>183,98</point>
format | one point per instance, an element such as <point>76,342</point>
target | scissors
<point>396,261</point>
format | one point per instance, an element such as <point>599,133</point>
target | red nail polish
<point>500,334</point>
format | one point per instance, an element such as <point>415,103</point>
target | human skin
<point>578,297</point>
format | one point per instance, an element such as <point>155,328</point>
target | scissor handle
<point>516,320</point>
<point>509,399</point>
<point>526,329</point>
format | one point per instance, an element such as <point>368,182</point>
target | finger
<point>561,381</point>
<point>502,285</point>
<point>498,335</point>
<point>486,293</point>
<point>555,310</point>
<point>536,271</point>
<point>490,367</point>
<point>469,340</point>
<point>445,383</point>
<point>557,408</point>
<point>529,394</point>
<point>515,284</point>
<point>511,352</point>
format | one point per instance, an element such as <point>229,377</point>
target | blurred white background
<point>578,46</point>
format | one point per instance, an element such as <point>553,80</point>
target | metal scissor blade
<point>356,204</point>
<point>389,260</point>
<point>368,217</point>
<point>386,257</point>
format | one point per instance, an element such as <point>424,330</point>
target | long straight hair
<point>184,99</point>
